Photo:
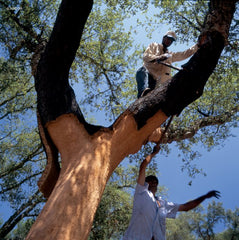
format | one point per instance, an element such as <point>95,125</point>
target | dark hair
<point>151,178</point>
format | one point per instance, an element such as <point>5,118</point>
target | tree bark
<point>89,154</point>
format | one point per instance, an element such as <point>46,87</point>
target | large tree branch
<point>55,96</point>
<point>178,134</point>
<point>190,131</point>
<point>185,87</point>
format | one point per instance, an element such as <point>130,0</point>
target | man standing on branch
<point>148,221</point>
<point>154,71</point>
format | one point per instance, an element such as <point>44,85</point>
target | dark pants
<point>144,80</point>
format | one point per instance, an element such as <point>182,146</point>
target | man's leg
<point>142,80</point>
<point>152,82</point>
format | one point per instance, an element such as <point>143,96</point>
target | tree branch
<point>21,164</point>
<point>21,213</point>
<point>186,133</point>
<point>19,183</point>
<point>28,29</point>
<point>190,22</point>
<point>55,96</point>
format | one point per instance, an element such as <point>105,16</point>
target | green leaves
<point>104,61</point>
<point>24,24</point>
<point>199,223</point>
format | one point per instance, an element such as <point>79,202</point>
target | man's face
<point>153,186</point>
<point>167,41</point>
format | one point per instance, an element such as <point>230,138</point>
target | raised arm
<point>144,164</point>
<point>194,203</point>
<point>179,56</point>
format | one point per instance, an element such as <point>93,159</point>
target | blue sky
<point>221,166</point>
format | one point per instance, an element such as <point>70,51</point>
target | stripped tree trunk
<point>89,154</point>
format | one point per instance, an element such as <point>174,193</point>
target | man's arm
<point>194,203</point>
<point>179,56</point>
<point>144,164</point>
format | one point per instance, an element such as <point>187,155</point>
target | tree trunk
<point>89,154</point>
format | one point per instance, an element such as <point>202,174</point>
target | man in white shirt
<point>152,73</point>
<point>148,221</point>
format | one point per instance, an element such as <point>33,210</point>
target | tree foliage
<point>113,213</point>
<point>232,224</point>
<point>202,224</point>
<point>105,68</point>
<point>106,58</point>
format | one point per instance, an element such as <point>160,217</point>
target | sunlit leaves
<point>24,24</point>
<point>197,224</point>
<point>104,60</point>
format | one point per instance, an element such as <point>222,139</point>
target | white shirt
<point>148,218</point>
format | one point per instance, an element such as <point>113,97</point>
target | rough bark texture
<point>89,154</point>
<point>55,95</point>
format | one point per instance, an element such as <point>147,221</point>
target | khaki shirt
<point>162,73</point>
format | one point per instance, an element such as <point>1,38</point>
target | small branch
<point>13,186</point>
<point>21,164</point>
<point>190,22</point>
<point>204,114</point>
<point>27,29</point>
<point>189,132</point>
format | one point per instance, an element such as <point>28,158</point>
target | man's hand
<point>148,159</point>
<point>203,40</point>
<point>213,193</point>
<point>163,57</point>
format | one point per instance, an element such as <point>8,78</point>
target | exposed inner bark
<point>87,163</point>
<point>52,170</point>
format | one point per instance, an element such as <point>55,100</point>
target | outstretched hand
<point>151,155</point>
<point>213,193</point>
